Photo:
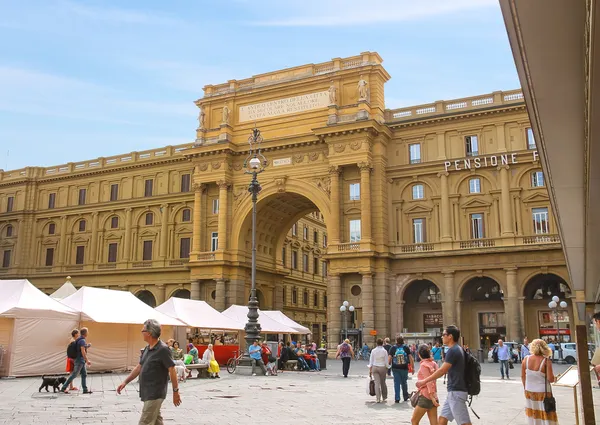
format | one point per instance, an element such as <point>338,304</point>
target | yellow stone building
<point>425,215</point>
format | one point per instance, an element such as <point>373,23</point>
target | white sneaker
<point>254,374</point>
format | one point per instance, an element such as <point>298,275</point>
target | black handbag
<point>372,387</point>
<point>549,401</point>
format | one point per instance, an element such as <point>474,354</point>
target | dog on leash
<point>52,381</point>
<point>182,371</point>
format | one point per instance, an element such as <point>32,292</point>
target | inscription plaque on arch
<point>285,106</point>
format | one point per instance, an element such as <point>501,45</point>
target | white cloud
<point>357,13</point>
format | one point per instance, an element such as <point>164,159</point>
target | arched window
<point>82,225</point>
<point>9,231</point>
<point>186,215</point>
<point>149,219</point>
<point>51,228</point>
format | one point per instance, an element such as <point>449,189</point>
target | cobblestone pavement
<point>296,397</point>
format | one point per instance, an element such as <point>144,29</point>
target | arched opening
<point>147,297</point>
<point>262,304</point>
<point>482,316</point>
<point>423,308</point>
<point>181,293</point>
<point>539,320</point>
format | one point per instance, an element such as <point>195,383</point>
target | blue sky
<point>83,79</point>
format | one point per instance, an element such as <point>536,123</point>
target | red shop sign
<point>551,332</point>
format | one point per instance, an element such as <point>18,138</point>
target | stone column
<point>522,327</point>
<point>382,299</point>
<point>400,317</point>
<point>334,301</point>
<point>365,201</point>
<point>161,294</point>
<point>445,207</point>
<point>334,229</point>
<point>507,222</point>
<point>223,209</point>
<point>127,247</point>
<point>368,313</point>
<point>449,302</point>
<point>63,240</point>
<point>511,303</point>
<point>220,290</point>
<point>94,241</point>
<point>164,231</point>
<point>458,320</point>
<point>195,289</point>
<point>196,237</point>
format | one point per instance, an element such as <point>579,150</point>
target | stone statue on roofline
<point>332,94</point>
<point>201,117</point>
<point>225,115</point>
<point>363,91</point>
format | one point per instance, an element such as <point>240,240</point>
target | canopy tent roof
<point>239,314</point>
<point>20,299</point>
<point>282,318</point>
<point>65,290</point>
<point>197,314</point>
<point>109,306</point>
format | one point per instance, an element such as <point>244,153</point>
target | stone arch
<point>422,306</point>
<point>487,284</point>
<point>4,229</point>
<point>147,297</point>
<point>539,284</point>
<point>74,225</point>
<point>518,179</point>
<point>181,293</point>
<point>108,216</point>
<point>176,213</point>
<point>491,274</point>
<point>424,277</point>
<point>47,225</point>
<point>156,219</point>
<point>481,174</point>
<point>405,188</point>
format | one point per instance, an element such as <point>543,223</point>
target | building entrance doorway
<point>482,315</point>
<point>422,308</point>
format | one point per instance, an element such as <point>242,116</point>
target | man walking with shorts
<point>455,407</point>
<point>155,368</point>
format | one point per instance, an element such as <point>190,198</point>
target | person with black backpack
<point>463,379</point>
<point>72,355</point>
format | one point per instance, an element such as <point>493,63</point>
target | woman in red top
<point>428,398</point>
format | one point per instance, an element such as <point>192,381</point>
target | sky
<point>86,79</point>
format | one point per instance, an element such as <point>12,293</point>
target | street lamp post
<point>343,308</point>
<point>254,164</point>
<point>554,304</point>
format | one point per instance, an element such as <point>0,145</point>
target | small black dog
<point>53,381</point>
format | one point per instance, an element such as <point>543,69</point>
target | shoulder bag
<point>549,401</point>
<point>414,397</point>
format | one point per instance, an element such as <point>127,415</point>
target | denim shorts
<point>455,407</point>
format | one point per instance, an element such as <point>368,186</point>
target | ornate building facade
<point>418,216</point>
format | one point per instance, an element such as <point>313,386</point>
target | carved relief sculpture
<point>363,91</point>
<point>332,94</point>
<point>225,115</point>
<point>323,183</point>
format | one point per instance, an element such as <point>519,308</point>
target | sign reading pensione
<point>288,105</point>
<point>475,162</point>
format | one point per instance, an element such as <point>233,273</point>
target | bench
<point>290,364</point>
<point>201,368</point>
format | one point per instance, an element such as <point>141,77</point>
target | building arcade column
<point>399,318</point>
<point>334,301</point>
<point>334,229</point>
<point>94,240</point>
<point>223,209</point>
<point>127,243</point>
<point>522,328</point>
<point>220,291</point>
<point>62,249</point>
<point>195,289</point>
<point>164,231</point>
<point>445,207</point>
<point>511,305</point>
<point>196,238</point>
<point>458,310</point>
<point>506,217</point>
<point>382,299</point>
<point>449,301</point>
<point>368,311</point>
<point>160,294</point>
<point>365,201</point>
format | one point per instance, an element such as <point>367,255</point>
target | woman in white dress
<point>213,365</point>
<point>535,370</point>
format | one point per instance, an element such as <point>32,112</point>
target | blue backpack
<point>400,358</point>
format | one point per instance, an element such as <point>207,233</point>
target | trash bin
<point>480,356</point>
<point>322,356</point>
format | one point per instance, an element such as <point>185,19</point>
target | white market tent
<point>34,330</point>
<point>268,325</point>
<point>64,291</point>
<point>114,320</point>
<point>282,318</point>
<point>198,314</point>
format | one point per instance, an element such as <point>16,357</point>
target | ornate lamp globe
<point>555,299</point>
<point>552,304</point>
<point>563,304</point>
<point>345,303</point>
<point>351,308</point>
<point>342,308</point>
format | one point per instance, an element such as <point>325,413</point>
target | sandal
<point>73,389</point>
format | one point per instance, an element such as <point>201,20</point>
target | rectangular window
<point>540,221</point>
<point>185,182</point>
<point>80,254</point>
<point>325,305</point>
<point>354,230</point>
<point>477,229</point>
<point>214,241</point>
<point>295,296</point>
<point>82,225</point>
<point>49,256</point>
<point>305,263</point>
<point>114,222</point>
<point>112,252</point>
<point>315,266</point>
<point>295,260</point>
<point>418,192</point>
<point>294,229</point>
<point>184,248</point>
<point>147,254</point>
<point>51,228</point>
<point>530,139</point>
<point>305,232</point>
<point>316,237</point>
<point>114,192</point>
<point>419,230</point>
<point>324,269</point>
<point>148,187</point>
<point>51,200</point>
<point>305,298</point>
<point>324,241</point>
<point>6,259</point>
<point>316,299</point>
<point>186,215</point>
<point>215,206</point>
<point>537,179</point>
<point>474,186</point>
<point>149,219</point>
<point>10,204</point>
<point>9,231</point>
<point>415,153</point>
<point>82,193</point>
<point>283,256</point>
<point>355,191</point>
<point>471,146</point>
